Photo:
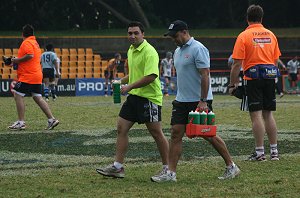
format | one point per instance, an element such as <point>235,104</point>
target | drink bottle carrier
<point>200,130</point>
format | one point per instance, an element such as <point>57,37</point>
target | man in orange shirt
<point>111,71</point>
<point>256,51</point>
<point>29,79</point>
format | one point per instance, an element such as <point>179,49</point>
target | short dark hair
<point>136,24</point>
<point>117,55</point>
<point>49,47</point>
<point>255,13</point>
<point>28,30</point>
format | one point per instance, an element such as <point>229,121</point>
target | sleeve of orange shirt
<point>27,48</point>
<point>239,49</point>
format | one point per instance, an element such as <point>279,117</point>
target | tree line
<point>106,14</point>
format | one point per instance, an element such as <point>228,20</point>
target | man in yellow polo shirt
<point>143,104</point>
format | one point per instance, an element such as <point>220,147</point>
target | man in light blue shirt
<point>192,63</point>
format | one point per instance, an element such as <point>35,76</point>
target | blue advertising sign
<point>5,86</point>
<point>90,86</point>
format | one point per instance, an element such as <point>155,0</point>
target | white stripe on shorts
<point>153,118</point>
<point>244,104</point>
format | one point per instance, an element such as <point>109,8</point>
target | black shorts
<point>48,73</point>
<point>293,77</point>
<point>180,111</point>
<point>140,110</point>
<point>28,89</point>
<point>110,75</point>
<point>260,95</point>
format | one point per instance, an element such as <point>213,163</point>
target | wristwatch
<point>231,86</point>
<point>203,99</point>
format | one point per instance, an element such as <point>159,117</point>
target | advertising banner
<point>5,88</point>
<point>91,87</point>
<point>66,87</point>
<point>96,86</point>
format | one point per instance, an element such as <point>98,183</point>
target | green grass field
<point>62,162</point>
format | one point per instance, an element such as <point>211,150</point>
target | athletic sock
<point>231,165</point>
<point>259,150</point>
<point>165,167</point>
<point>118,165</point>
<point>173,174</point>
<point>46,92</point>
<point>105,90</point>
<point>273,148</point>
<point>53,91</point>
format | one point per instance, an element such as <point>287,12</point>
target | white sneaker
<point>52,124</point>
<point>111,171</point>
<point>17,126</point>
<point>231,172</point>
<point>281,95</point>
<point>164,176</point>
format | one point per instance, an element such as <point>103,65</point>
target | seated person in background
<point>111,70</point>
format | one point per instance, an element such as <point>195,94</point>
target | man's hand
<point>15,60</point>
<point>231,88</point>
<point>202,106</point>
<point>125,89</point>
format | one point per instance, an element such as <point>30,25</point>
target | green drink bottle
<point>195,116</point>
<point>211,119</point>
<point>203,118</point>
<point>117,92</point>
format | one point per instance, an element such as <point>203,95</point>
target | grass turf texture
<point>61,163</point>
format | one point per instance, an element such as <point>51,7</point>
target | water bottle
<point>203,118</point>
<point>211,119</point>
<point>117,92</point>
<point>195,116</point>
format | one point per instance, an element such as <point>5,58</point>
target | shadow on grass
<point>69,143</point>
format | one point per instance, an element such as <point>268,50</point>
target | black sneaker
<point>254,157</point>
